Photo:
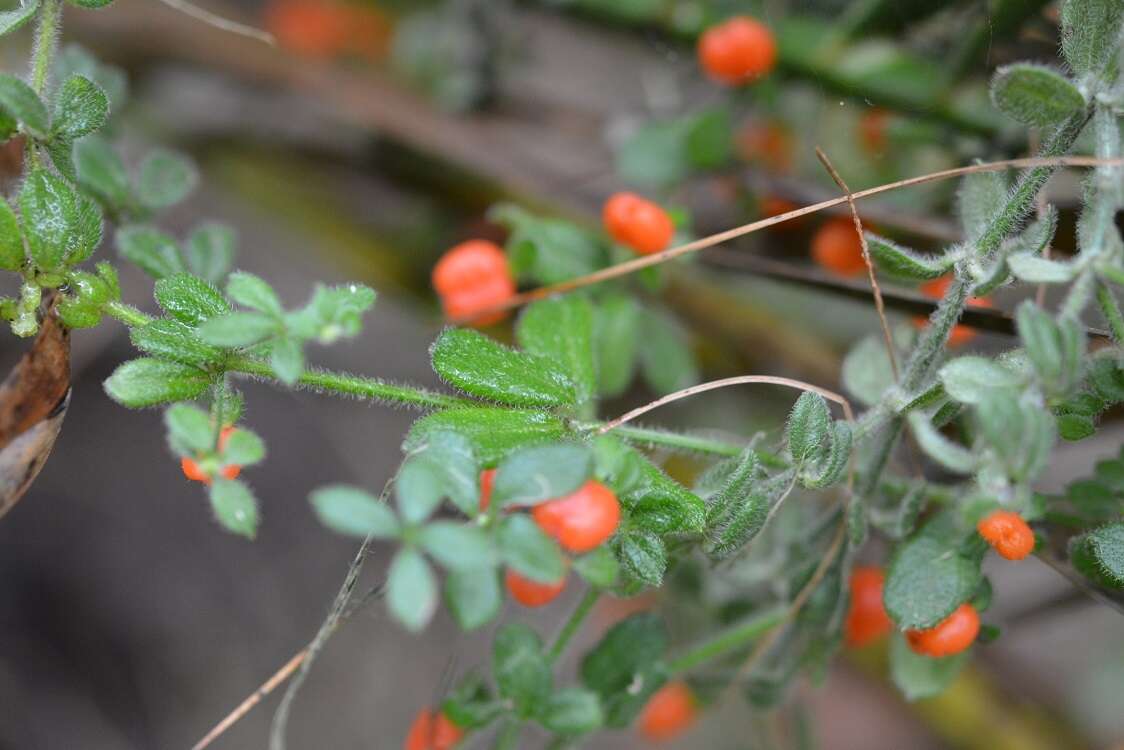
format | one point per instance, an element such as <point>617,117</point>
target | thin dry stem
<point>879,305</point>
<point>723,383</point>
<point>623,269</point>
<point>253,699</point>
<point>213,19</point>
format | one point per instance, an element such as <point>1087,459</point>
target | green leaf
<point>743,520</point>
<point>458,546</point>
<point>666,361</point>
<point>1055,348</point>
<point>354,512</point>
<point>90,3</point>
<point>81,107</point>
<point>175,341</point>
<point>655,502</point>
<point>1020,432</point>
<point>616,334</point>
<point>1036,270</point>
<point>50,217</point>
<point>1090,30</point>
<point>1075,427</point>
<point>709,140</point>
<point>1034,95</point>
<point>866,370</point>
<point>470,704</point>
<point>235,507</point>
<point>599,568</point>
<point>920,676</point>
<point>537,473</point>
<point>626,667</point>
<point>253,292</point>
<point>244,448</point>
<point>286,357</point>
<point>419,489</point>
<point>546,250</point>
<point>74,60</point>
<point>561,329</point>
<point>936,446</point>
<point>903,263</point>
<point>572,711</point>
<point>238,329</point>
<point>474,597</point>
<point>980,197</point>
<point>656,155</point>
<point>332,313</point>
<point>809,427</point>
<point>411,590</point>
<point>971,380</point>
<point>102,173</point>
<point>148,382</point>
<point>526,549</point>
<point>21,102</point>
<point>477,365</point>
<point>86,231</point>
<point>165,178</point>
<point>11,240</point>
<point>190,300</point>
<point>189,429</point>
<point>521,669</point>
<point>643,555</point>
<point>210,251</point>
<point>452,457</point>
<point>151,250</point>
<point>10,20</point>
<point>492,432</point>
<point>927,580</point>
<point>1107,546</point>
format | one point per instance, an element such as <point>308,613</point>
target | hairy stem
<point>46,39</point>
<point>127,314</point>
<point>1110,309</point>
<point>573,624</point>
<point>728,640</point>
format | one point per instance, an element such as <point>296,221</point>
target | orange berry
<point>532,593</point>
<point>737,51</point>
<point>637,222</point>
<point>952,635</point>
<point>582,520</point>
<point>768,144</point>
<point>867,620</point>
<point>872,130</point>
<point>837,248</point>
<point>193,471</point>
<point>487,481</point>
<point>312,28</point>
<point>936,289</point>
<point>668,713</point>
<point>432,732</point>
<point>471,277</point>
<point>1008,534</point>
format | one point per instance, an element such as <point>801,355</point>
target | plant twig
<point>224,24</point>
<point>723,383</point>
<point>879,305</point>
<point>573,624</point>
<point>636,264</point>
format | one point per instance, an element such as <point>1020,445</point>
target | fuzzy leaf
<point>927,579</point>
<point>936,446</point>
<point>1090,30</point>
<point>521,669</point>
<point>972,379</point>
<point>244,448</point>
<point>474,597</point>
<point>22,103</point>
<point>253,292</point>
<point>1107,545</point>
<point>599,568</point>
<point>210,251</point>
<point>1034,94</point>
<point>286,357</point>
<point>1037,270</point>
<point>175,341</point>
<point>189,429</point>
<point>526,549</point>
<point>10,20</point>
<point>154,252</point>
<point>81,107</point>
<point>809,427</point>
<point>102,173</point>
<point>189,299</point>
<point>458,546</point>
<point>980,197</point>
<point>477,365</point>
<point>492,432</point>
<point>866,370</point>
<point>572,711</point>
<point>411,590</point>
<point>235,507</point>
<point>920,676</point>
<point>50,217</point>
<point>561,330</point>
<point>165,178</point>
<point>625,668</point>
<point>148,382</point>
<point>534,474</point>
<point>615,338</point>
<point>238,329</point>
<point>11,241</point>
<point>643,555</point>
<point>903,263</point>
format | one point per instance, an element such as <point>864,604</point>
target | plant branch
<point>573,624</point>
<point>727,641</point>
<point>46,39</point>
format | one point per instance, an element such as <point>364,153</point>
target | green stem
<point>127,314</point>
<point>508,738</point>
<point>1111,311</point>
<point>573,624</point>
<point>46,37</point>
<point>728,640</point>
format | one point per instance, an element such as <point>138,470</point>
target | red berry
<point>737,51</point>
<point>582,520</point>
<point>837,248</point>
<point>471,277</point>
<point>487,481</point>
<point>312,28</point>
<point>668,713</point>
<point>867,620</point>
<point>936,289</point>
<point>193,471</point>
<point>637,222</point>
<point>954,634</point>
<point>432,732</point>
<point>532,593</point>
<point>1008,533</point>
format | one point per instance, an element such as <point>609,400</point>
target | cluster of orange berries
<point>474,276</point>
<point>867,620</point>
<point>193,471</point>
